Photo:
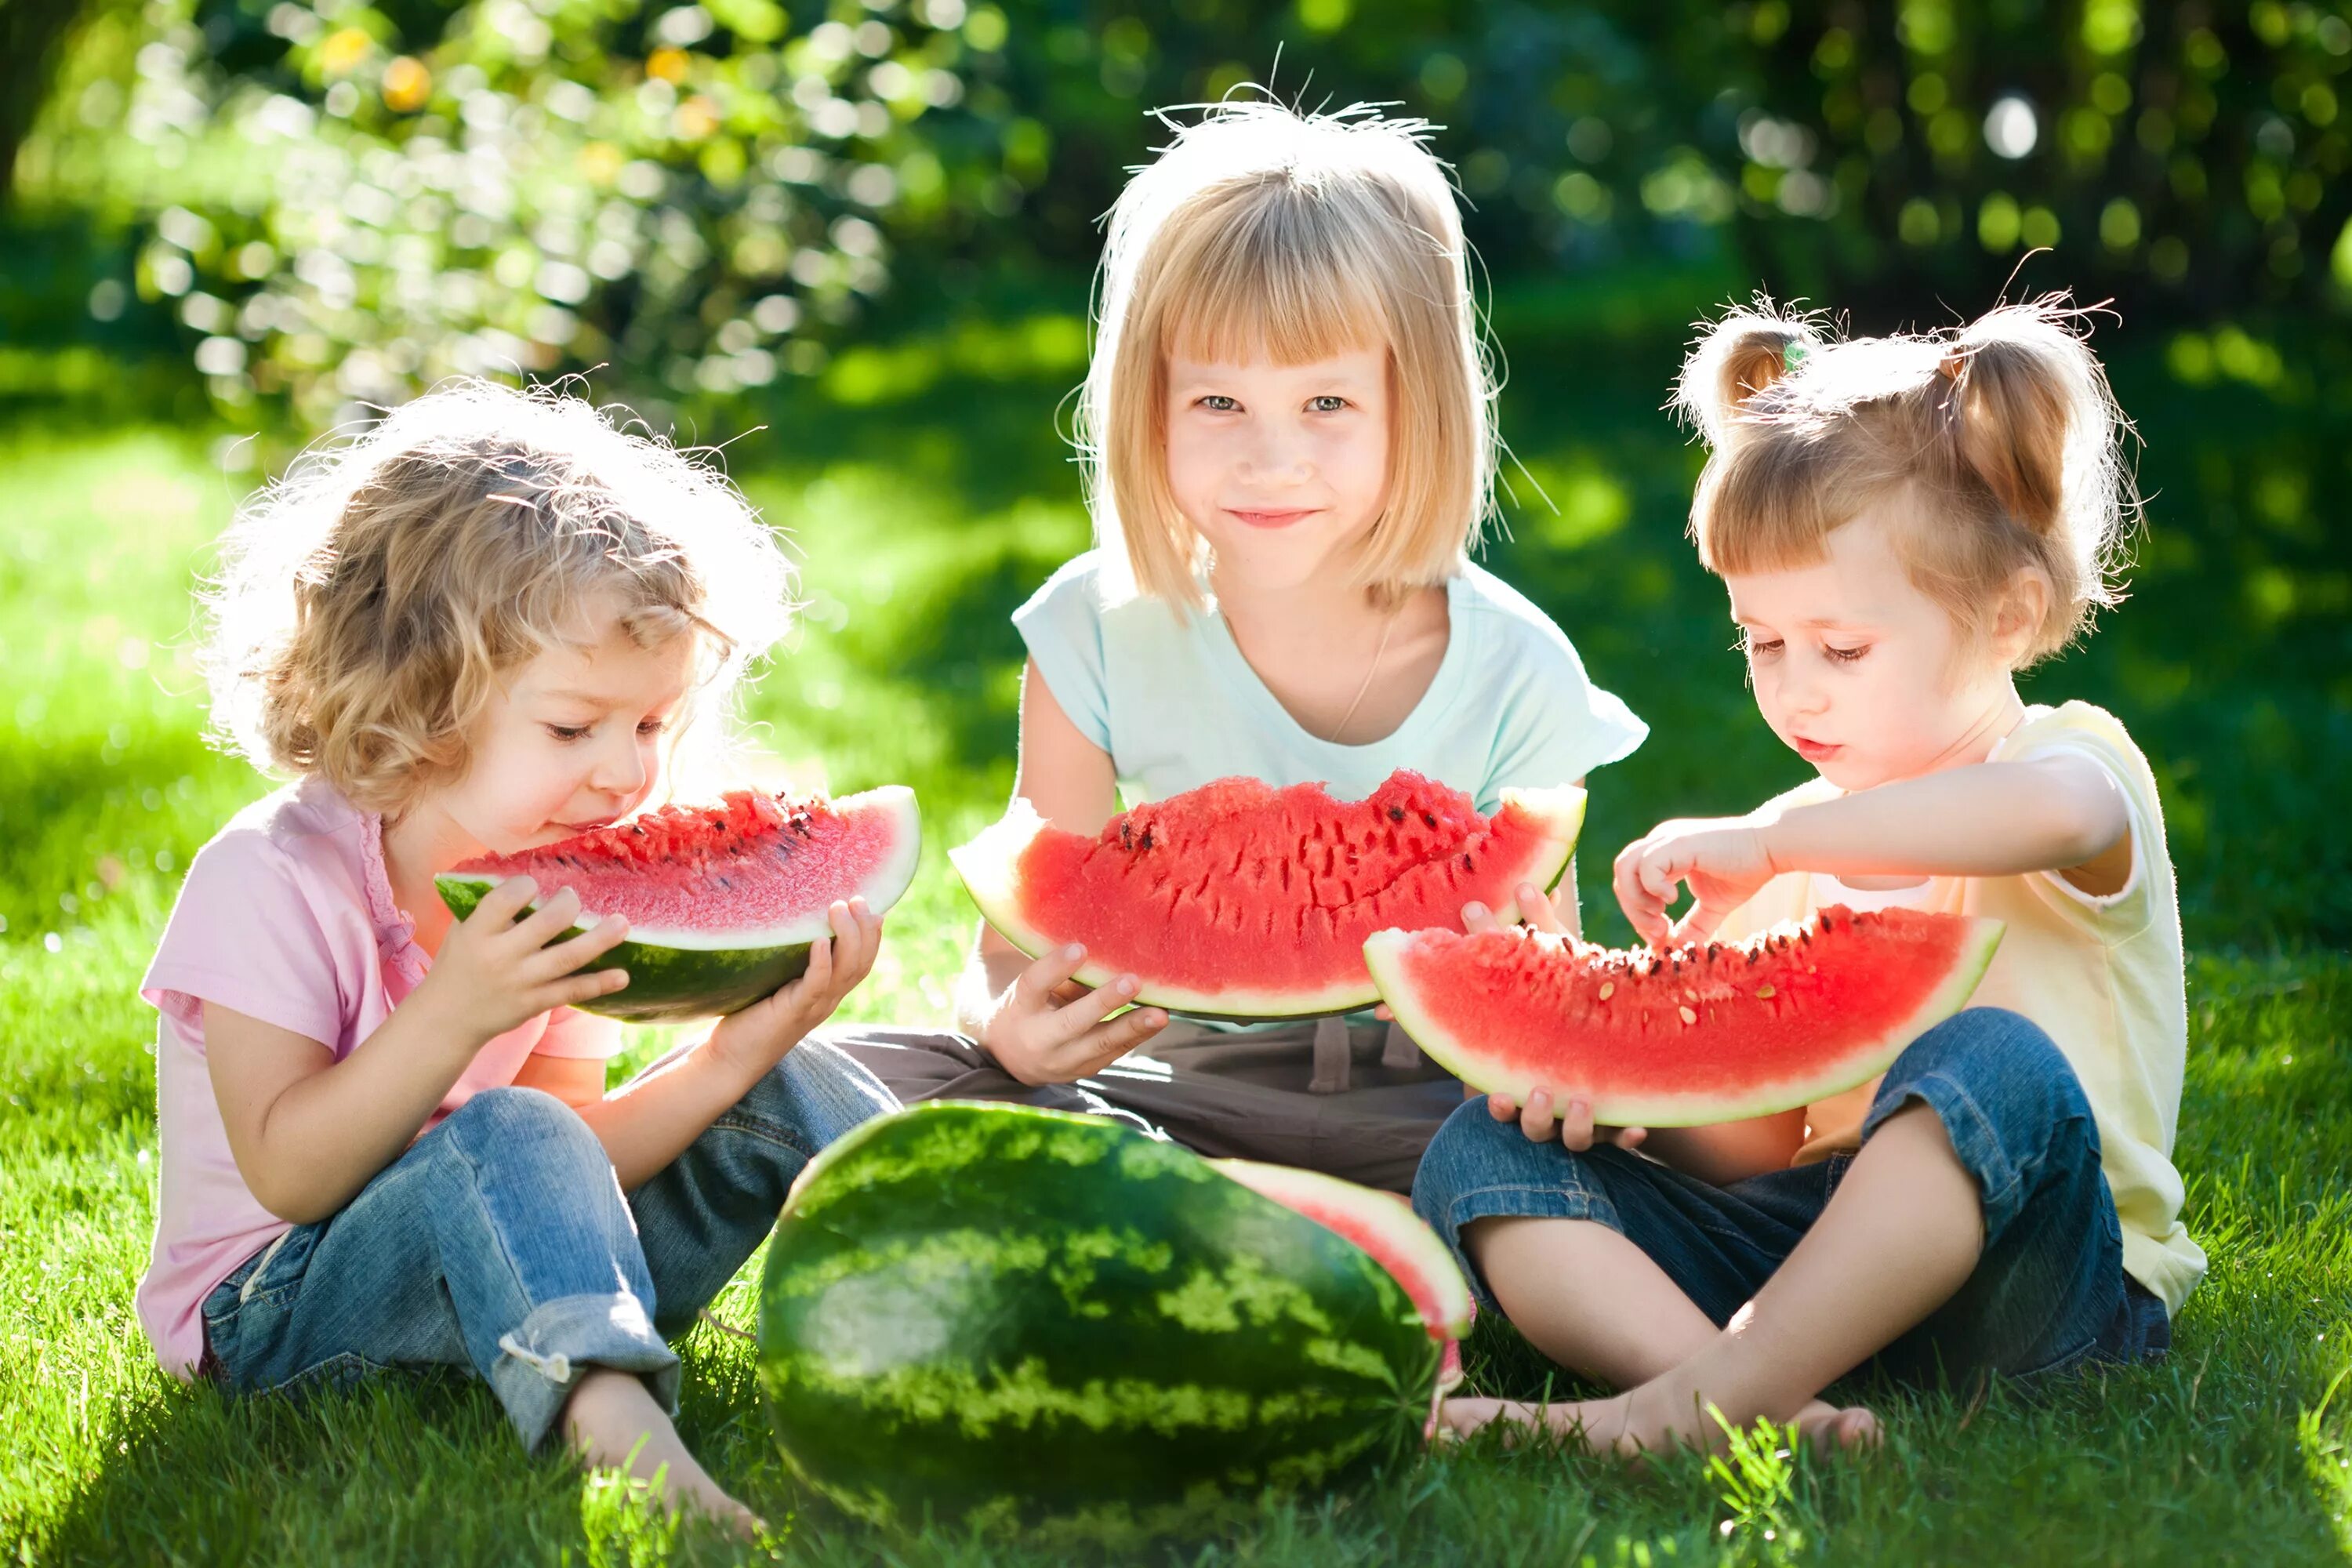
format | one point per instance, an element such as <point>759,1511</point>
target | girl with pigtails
<point>1903,524</point>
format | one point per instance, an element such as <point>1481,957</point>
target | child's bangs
<point>1768,510</point>
<point>1270,291</point>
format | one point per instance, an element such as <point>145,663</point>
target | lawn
<point>926,490</point>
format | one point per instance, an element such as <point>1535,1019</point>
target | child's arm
<point>1039,1025</point>
<point>2058,813</point>
<point>308,1131</point>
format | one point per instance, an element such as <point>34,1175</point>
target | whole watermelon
<point>1015,1318</point>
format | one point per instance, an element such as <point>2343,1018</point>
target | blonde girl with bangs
<point>494,620</point>
<point>1288,436</point>
<point>1903,524</point>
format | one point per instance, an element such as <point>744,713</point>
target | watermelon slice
<point>722,900</point>
<point>1239,899</point>
<point>1693,1034</point>
<point>1383,1225</point>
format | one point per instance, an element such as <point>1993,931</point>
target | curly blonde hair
<point>2000,440</point>
<point>1261,231</point>
<point>366,605</point>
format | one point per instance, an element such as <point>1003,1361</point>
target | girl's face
<point>1280,467</point>
<point>1858,671</point>
<point>571,740</point>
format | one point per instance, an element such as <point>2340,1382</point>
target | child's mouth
<point>1268,519</point>
<point>1814,751</point>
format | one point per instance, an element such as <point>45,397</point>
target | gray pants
<point>1354,1100</point>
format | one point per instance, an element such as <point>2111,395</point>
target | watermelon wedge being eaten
<point>1700,1033</point>
<point>722,900</point>
<point>1239,899</point>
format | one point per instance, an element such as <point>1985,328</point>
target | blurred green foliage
<point>321,202</point>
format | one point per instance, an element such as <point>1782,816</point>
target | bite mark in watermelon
<point>722,900</point>
<point>1239,899</point>
<point>1700,1033</point>
<point>1007,1317</point>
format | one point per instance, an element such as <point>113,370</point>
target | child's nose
<point>619,771</point>
<point>1276,456</point>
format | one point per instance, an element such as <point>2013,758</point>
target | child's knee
<point>510,1124</point>
<point>1999,1060</point>
<point>2010,1104</point>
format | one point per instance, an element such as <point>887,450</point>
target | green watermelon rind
<point>987,865</point>
<point>1385,954</point>
<point>675,976</point>
<point>1410,1239</point>
<point>997,1422</point>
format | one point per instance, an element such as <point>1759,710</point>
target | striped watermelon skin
<point>1025,1320</point>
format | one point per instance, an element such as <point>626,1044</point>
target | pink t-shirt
<point>286,916</point>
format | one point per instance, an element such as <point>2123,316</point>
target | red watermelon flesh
<point>1383,1225</point>
<point>1696,1034</point>
<point>1241,900</point>
<point>753,869</point>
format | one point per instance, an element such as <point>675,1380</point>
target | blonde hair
<point>366,605</point>
<point>1998,444</point>
<point>1264,232</point>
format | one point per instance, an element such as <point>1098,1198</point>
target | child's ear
<point>2018,620</point>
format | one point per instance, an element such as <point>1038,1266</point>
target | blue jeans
<point>2049,1291</point>
<point>502,1241</point>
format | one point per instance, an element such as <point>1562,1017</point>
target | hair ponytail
<point>1735,359</point>
<point>1998,444</point>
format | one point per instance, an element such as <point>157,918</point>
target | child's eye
<point>652,726</point>
<point>1326,404</point>
<point>568,732</point>
<point>1845,655</point>
<point>1760,647</point>
<point>1218,403</point>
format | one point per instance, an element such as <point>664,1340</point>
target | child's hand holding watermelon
<point>755,1040</point>
<point>1546,1116</point>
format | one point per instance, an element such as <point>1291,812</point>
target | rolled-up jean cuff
<point>542,1359</point>
<point>1974,1139</point>
<point>1515,1203</point>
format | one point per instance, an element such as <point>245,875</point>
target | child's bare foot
<point>1641,1421</point>
<point>1831,1430</point>
<point>612,1422</point>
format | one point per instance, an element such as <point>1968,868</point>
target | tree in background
<point>342,199</point>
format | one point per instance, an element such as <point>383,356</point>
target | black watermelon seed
<point>1396,814</point>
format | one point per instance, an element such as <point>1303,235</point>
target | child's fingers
<point>1106,1043</point>
<point>1629,1137</point>
<point>1065,1025</point>
<point>564,957</point>
<point>557,913</point>
<point>1659,871</point>
<point>1576,1123</point>
<point>1536,1117</point>
<point>573,989</point>
<point>502,903</point>
<point>1502,1108</point>
<point>1384,1013</point>
<point>1477,917</point>
<point>1536,910</point>
<point>1048,974</point>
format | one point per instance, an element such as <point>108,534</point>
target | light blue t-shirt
<point>1169,695</point>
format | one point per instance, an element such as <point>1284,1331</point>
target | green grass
<point>927,507</point>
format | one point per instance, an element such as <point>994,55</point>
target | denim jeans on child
<point>2049,1291</point>
<point>501,1240</point>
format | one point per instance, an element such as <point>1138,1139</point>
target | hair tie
<point>1792,354</point>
